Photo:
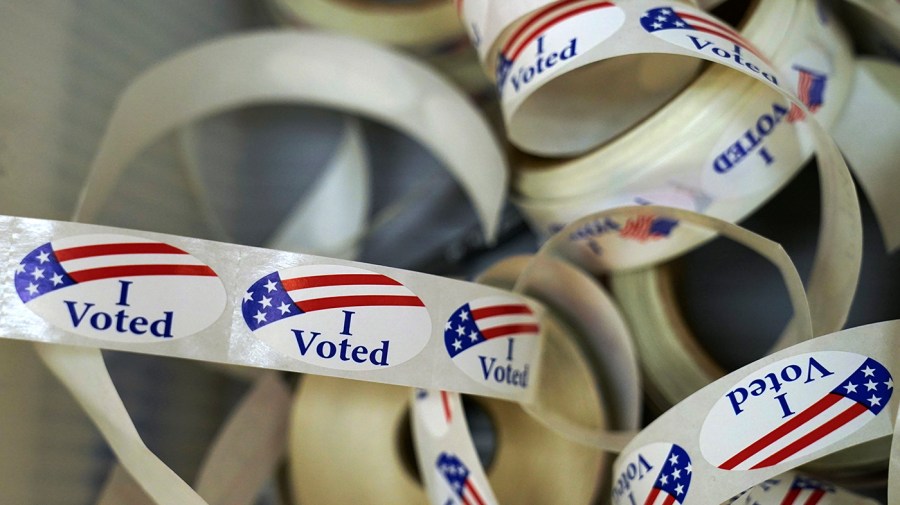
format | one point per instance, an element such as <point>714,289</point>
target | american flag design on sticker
<point>485,319</point>
<point>645,228</point>
<point>656,474</point>
<point>536,25</point>
<point>810,91</point>
<point>456,474</point>
<point>663,19</point>
<point>673,481</point>
<point>60,264</point>
<point>821,398</point>
<point>281,295</point>
<point>806,491</point>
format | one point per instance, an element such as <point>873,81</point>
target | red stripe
<point>318,281</point>
<point>474,492</point>
<point>95,274</point>
<point>815,497</point>
<point>445,399</point>
<point>89,251</point>
<point>500,331</point>
<point>815,435</point>
<point>724,28</point>
<point>779,432</point>
<point>652,497</point>
<point>500,310</point>
<point>790,497</point>
<point>337,302</point>
<point>549,24</point>
<point>533,20</point>
<point>669,500</point>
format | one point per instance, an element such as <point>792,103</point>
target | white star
<point>460,330</point>
<point>666,11</point>
<point>657,25</point>
<point>266,302</point>
<point>43,257</point>
<point>664,479</point>
<point>270,286</point>
<point>20,268</point>
<point>473,336</point>
<point>660,18</point>
<point>56,279</point>
<point>679,24</point>
<point>248,296</point>
<point>889,383</point>
<point>676,474</point>
<point>260,317</point>
<point>674,459</point>
<point>868,371</point>
<point>32,288</point>
<point>457,345</point>
<point>284,308</point>
<point>464,316</point>
<point>37,273</point>
<point>850,387</point>
<point>448,326</point>
<point>679,490</point>
<point>457,485</point>
<point>688,469</point>
<point>874,401</point>
<point>870,386</point>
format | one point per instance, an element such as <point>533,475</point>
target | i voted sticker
<point>656,474</point>
<point>494,341</point>
<point>794,407</point>
<point>454,474</point>
<point>338,317</point>
<point>436,411</point>
<point>698,32</point>
<point>550,39</point>
<point>119,288</point>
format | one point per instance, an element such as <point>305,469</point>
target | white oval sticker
<point>656,474</point>
<point>794,407</point>
<point>120,288</point>
<point>337,317</point>
<point>494,340</point>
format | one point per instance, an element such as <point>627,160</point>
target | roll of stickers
<point>550,111</point>
<point>722,147</point>
<point>784,410</point>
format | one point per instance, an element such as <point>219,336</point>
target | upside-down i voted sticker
<point>455,474</point>
<point>794,489</point>
<point>794,407</point>
<point>494,341</point>
<point>119,288</point>
<point>696,31</point>
<point>656,474</point>
<point>338,317</point>
<point>552,37</point>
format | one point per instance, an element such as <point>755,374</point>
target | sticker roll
<point>722,147</point>
<point>373,421</point>
<point>794,488</point>
<point>548,109</point>
<point>833,392</point>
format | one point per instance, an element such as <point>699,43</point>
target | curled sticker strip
<point>784,410</point>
